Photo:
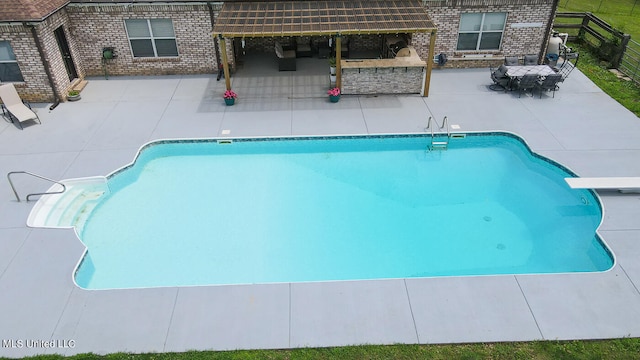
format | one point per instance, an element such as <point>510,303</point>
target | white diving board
<point>624,184</point>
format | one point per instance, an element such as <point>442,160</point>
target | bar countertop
<point>413,60</point>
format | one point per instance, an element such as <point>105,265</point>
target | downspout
<point>45,63</point>
<point>547,34</point>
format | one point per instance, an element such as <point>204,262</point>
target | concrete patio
<point>582,128</point>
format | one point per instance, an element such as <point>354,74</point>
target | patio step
<point>80,85</point>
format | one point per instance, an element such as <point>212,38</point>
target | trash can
<point>551,59</point>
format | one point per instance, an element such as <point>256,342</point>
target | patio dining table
<point>518,71</point>
<point>522,70</point>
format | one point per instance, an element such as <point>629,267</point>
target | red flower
<point>334,92</point>
<point>229,94</point>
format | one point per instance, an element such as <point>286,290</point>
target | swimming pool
<point>207,212</point>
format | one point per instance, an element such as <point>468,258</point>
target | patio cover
<point>298,18</point>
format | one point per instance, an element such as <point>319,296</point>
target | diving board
<point>624,184</point>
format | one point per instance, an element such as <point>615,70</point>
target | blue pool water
<point>283,210</point>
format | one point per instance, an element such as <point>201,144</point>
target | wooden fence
<point>608,43</point>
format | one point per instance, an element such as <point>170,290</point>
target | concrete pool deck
<point>582,128</point>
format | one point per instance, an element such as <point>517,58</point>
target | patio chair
<point>549,83</point>
<point>303,47</point>
<point>16,108</point>
<point>527,82</point>
<point>500,78</point>
<point>511,61</point>
<point>566,67</point>
<point>286,58</point>
<point>531,60</point>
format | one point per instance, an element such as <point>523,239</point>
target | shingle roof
<point>28,10</point>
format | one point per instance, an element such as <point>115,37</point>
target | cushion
<point>279,51</point>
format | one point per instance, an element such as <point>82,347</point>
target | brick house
<point>46,46</point>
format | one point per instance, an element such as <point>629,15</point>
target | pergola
<point>323,18</point>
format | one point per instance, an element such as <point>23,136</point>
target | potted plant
<point>332,65</point>
<point>73,95</point>
<point>334,94</point>
<point>229,97</point>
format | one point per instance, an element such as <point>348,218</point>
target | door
<point>66,53</point>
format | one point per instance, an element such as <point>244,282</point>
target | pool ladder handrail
<point>64,188</point>
<point>438,144</point>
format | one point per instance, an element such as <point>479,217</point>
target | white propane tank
<point>554,44</point>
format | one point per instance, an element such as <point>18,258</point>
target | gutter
<point>45,63</point>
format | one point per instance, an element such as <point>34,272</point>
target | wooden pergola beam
<point>225,62</point>
<point>432,50</point>
<point>338,65</point>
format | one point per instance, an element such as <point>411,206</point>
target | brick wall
<point>36,86</point>
<point>517,41</point>
<point>399,80</point>
<point>53,55</point>
<point>97,26</point>
<point>365,42</point>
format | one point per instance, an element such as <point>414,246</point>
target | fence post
<point>615,63</point>
<point>585,24</point>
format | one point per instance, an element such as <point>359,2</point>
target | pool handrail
<point>443,144</point>
<point>64,188</point>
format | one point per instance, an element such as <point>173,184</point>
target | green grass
<point>625,348</point>
<point>618,13</point>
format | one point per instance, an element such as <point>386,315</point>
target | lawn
<point>627,348</point>
<point>620,14</point>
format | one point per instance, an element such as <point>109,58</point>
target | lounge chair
<point>549,83</point>
<point>12,104</point>
<point>527,82</point>
<point>500,78</point>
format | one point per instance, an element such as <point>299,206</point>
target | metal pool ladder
<point>438,139</point>
<point>64,188</point>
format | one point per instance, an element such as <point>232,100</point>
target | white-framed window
<point>9,69</point>
<point>481,31</point>
<point>151,37</point>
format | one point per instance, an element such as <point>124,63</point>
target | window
<point>481,31</point>
<point>151,37</point>
<point>9,69</point>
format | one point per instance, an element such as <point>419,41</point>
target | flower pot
<point>73,97</point>
<point>332,70</point>
<point>334,99</point>
<point>332,78</point>
<point>229,102</point>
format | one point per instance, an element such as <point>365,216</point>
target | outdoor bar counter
<point>399,75</point>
